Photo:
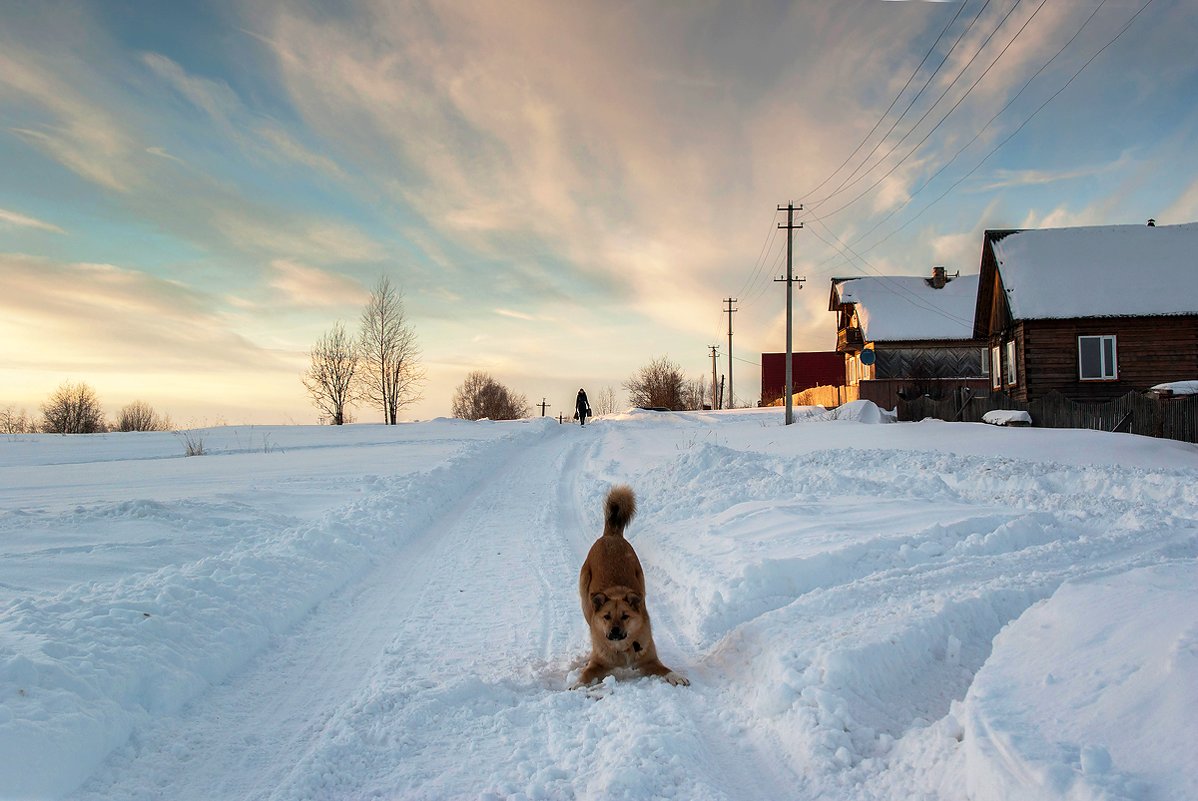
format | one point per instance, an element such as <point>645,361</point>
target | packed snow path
<point>865,612</point>
<point>440,674</point>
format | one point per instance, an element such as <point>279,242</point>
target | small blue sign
<point>868,356</point>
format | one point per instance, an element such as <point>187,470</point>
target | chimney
<point>1151,223</point>
<point>939,277</point>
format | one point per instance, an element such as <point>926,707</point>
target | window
<point>996,367</point>
<point>1011,375</point>
<point>1096,358</point>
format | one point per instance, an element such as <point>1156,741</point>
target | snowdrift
<point>917,610</point>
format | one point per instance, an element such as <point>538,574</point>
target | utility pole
<point>542,404</point>
<point>731,398</point>
<point>714,359</point>
<point>790,279</point>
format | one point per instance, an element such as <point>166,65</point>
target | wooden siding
<point>1149,351</point>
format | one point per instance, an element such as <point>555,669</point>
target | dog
<point>611,586</point>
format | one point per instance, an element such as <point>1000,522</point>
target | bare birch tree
<point>605,402</point>
<point>481,396</point>
<point>332,379</point>
<point>14,422</point>
<point>72,409</point>
<point>390,371</point>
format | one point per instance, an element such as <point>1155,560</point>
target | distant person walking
<point>582,409</point>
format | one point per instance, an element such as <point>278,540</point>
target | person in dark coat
<point>582,409</point>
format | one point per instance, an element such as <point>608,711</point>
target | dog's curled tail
<point>619,510</point>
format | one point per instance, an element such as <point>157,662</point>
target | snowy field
<point>866,610</point>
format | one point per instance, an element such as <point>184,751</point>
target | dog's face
<point>618,619</point>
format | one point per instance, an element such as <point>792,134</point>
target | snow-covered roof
<point>1100,271</point>
<point>907,307</point>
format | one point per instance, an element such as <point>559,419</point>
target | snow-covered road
<point>393,613</point>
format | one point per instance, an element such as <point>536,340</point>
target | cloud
<point>71,316</point>
<point>71,123</point>
<point>13,218</point>
<point>284,145</point>
<point>1005,178</point>
<point>1184,208</point>
<point>515,315</point>
<point>307,239</point>
<point>215,98</point>
<point>309,286</point>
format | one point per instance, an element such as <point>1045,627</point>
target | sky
<point>191,194</point>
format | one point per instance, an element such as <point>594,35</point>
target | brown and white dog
<point>611,586</point>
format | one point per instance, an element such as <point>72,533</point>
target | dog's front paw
<point>677,679</point>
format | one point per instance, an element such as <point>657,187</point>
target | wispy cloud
<point>72,126</point>
<point>1005,179</point>
<point>69,316</point>
<point>515,314</point>
<point>13,218</point>
<point>309,286</point>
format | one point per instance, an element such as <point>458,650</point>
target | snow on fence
<point>1135,413</point>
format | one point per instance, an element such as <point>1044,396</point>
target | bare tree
<point>72,409</point>
<point>14,422</point>
<point>390,371</point>
<point>657,385</point>
<point>140,416</point>
<point>481,396</point>
<point>695,393</point>
<point>332,379</point>
<point>605,402</point>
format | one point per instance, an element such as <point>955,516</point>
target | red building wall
<point>810,369</point>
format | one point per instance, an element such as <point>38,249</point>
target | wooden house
<point>907,330</point>
<point>1093,312</point>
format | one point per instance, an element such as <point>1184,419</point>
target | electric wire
<point>1021,126</point>
<point>982,130</point>
<point>811,206</point>
<point>893,102</point>
<point>947,114</point>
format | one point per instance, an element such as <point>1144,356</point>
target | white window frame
<point>1108,357</point>
<point>1012,373</point>
<point>996,367</point>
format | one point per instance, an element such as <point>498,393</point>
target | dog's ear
<point>598,600</point>
<point>634,601</point>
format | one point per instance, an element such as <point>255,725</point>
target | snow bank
<point>82,667</point>
<point>1007,417</point>
<point>859,411</point>
<point>1091,694</point>
<point>866,612</point>
<point>1179,387</point>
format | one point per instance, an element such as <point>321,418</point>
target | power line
<point>899,290</point>
<point>910,78</point>
<point>1022,125</point>
<point>815,204</point>
<point>982,130</point>
<point>947,114</point>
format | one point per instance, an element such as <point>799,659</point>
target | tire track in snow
<point>235,741</point>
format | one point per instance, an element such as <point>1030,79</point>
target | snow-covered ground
<point>866,610</point>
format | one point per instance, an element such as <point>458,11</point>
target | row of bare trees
<point>661,384</point>
<point>379,367</point>
<point>74,408</point>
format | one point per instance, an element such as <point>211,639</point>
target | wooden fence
<point>1135,412</point>
<point>827,396</point>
